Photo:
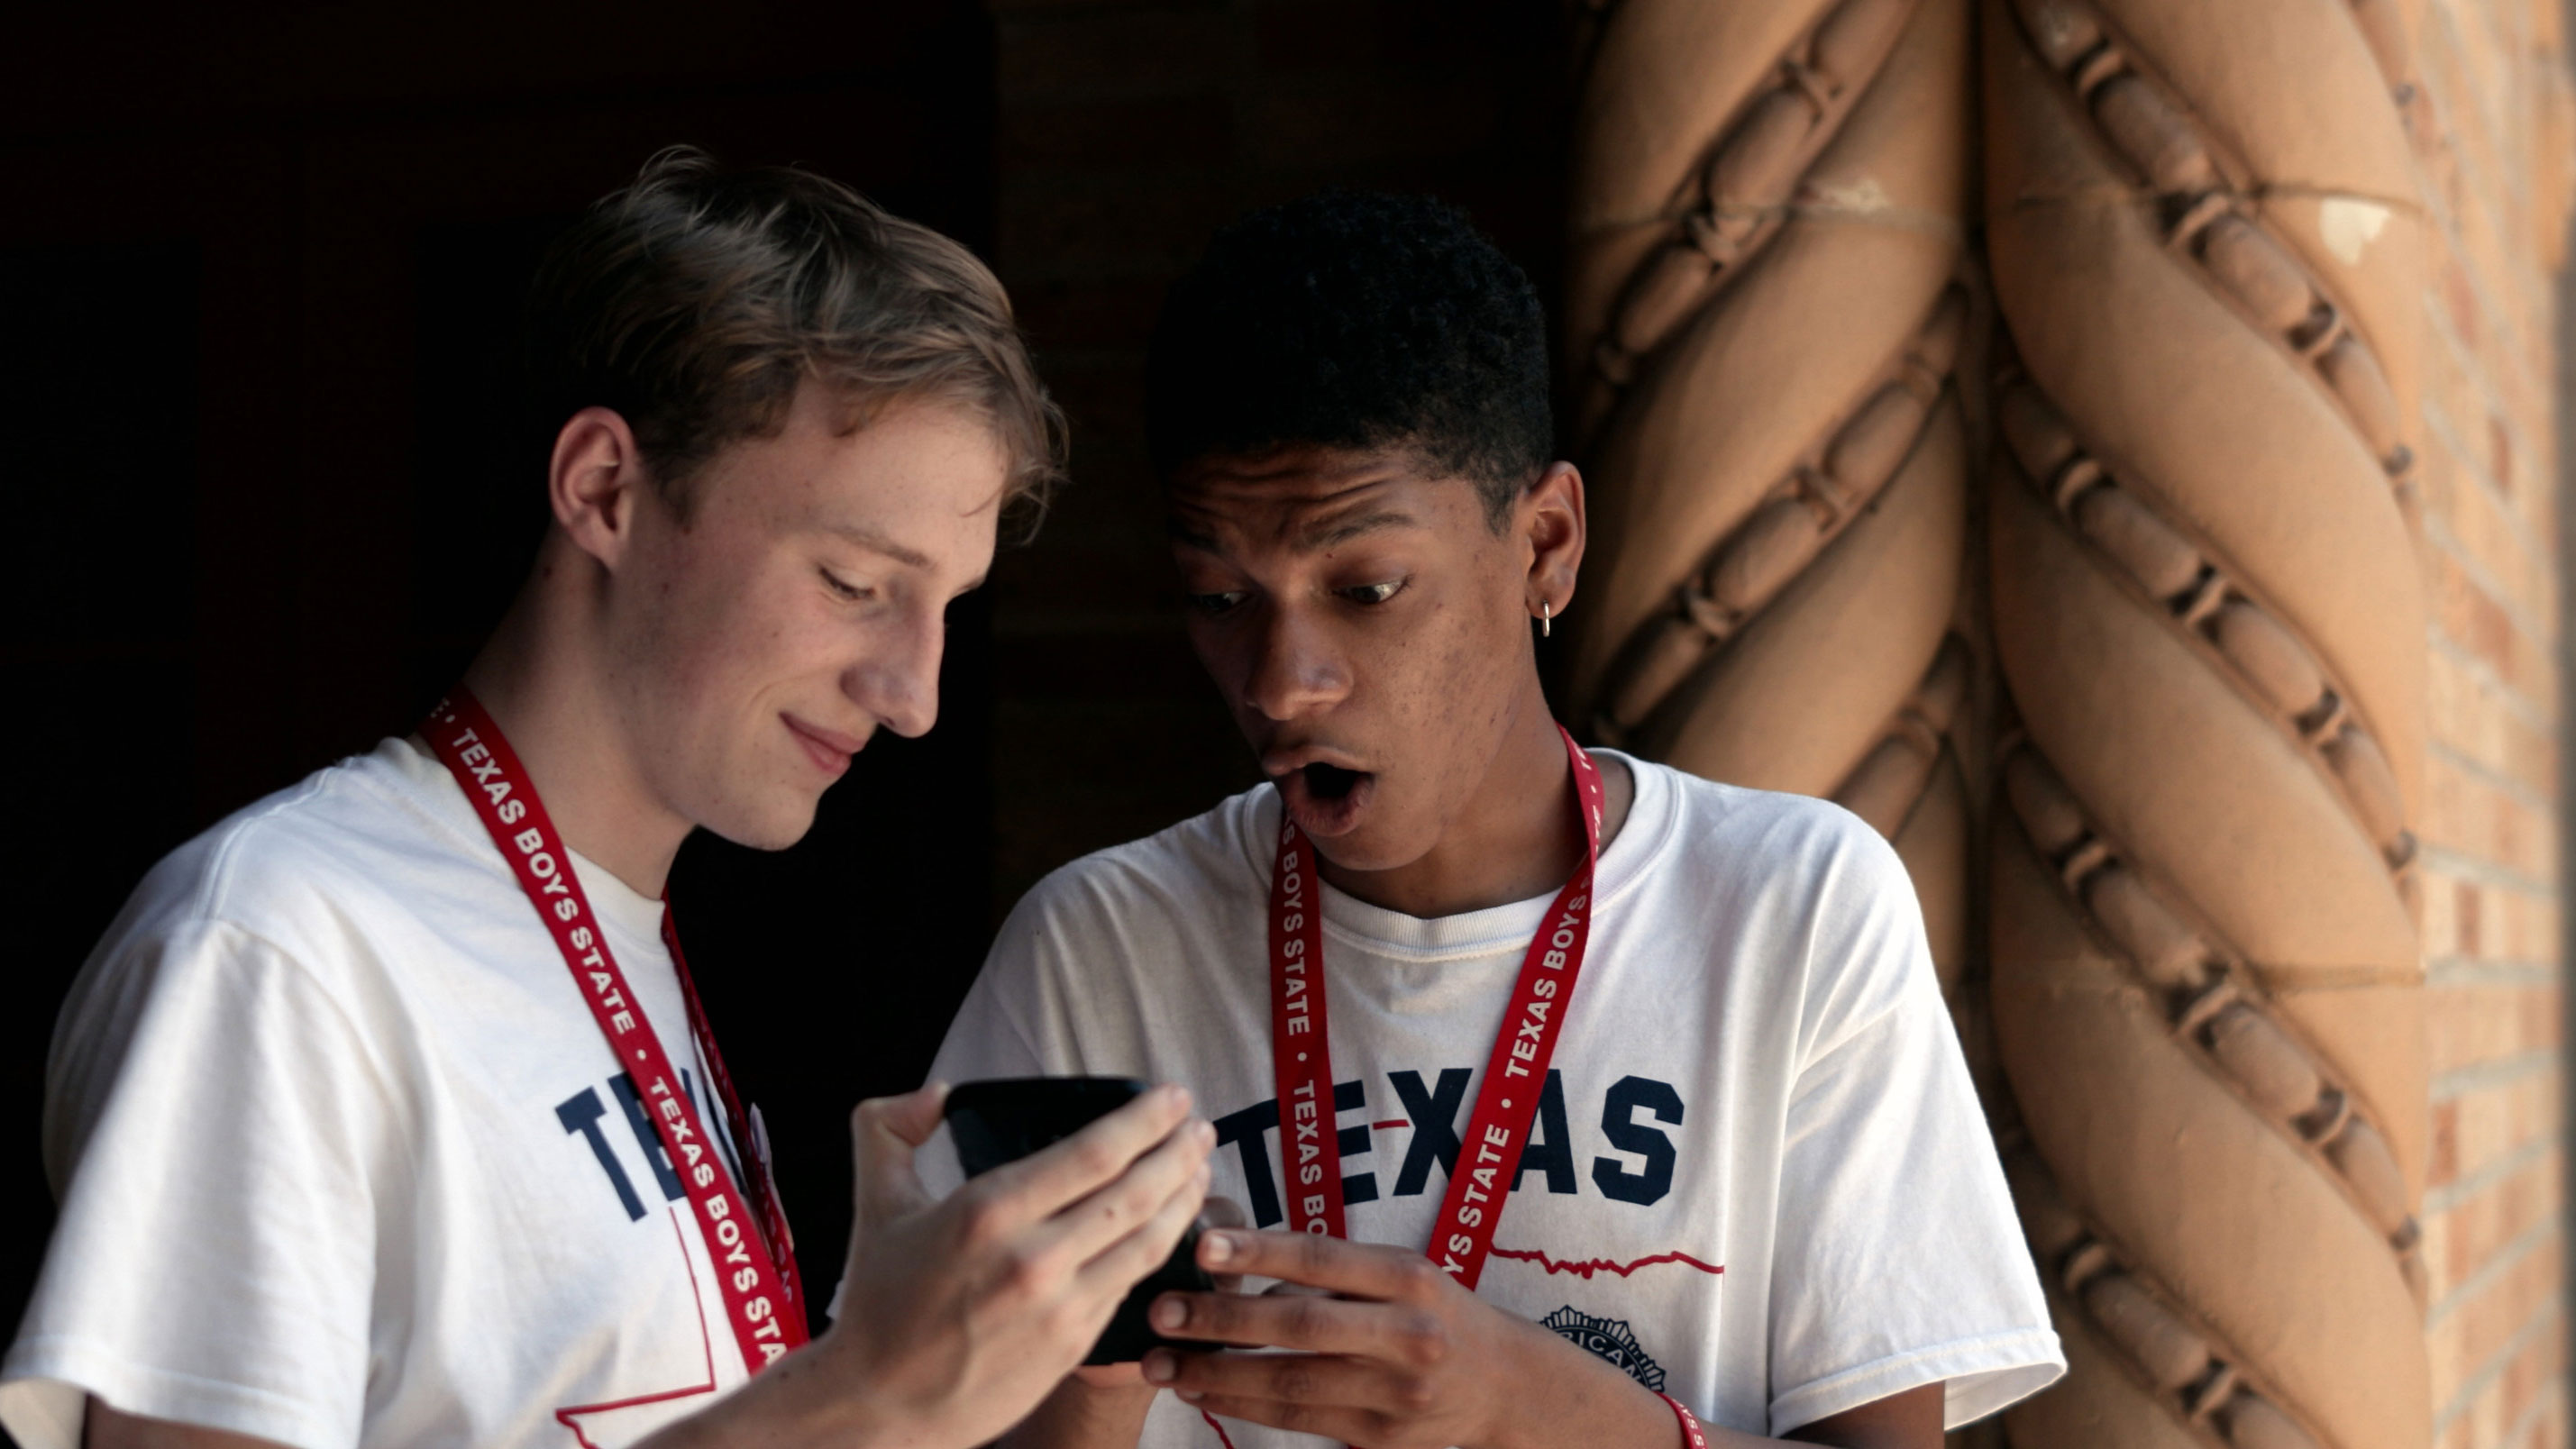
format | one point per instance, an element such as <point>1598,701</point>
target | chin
<point>1370,850</point>
<point>781,824</point>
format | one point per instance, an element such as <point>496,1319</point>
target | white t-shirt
<point>343,1158</point>
<point>1759,1180</point>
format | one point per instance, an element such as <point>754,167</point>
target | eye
<point>852,592</point>
<point>1214,605</point>
<point>1372,593</point>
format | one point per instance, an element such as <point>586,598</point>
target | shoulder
<point>311,881</point>
<point>1100,955</point>
<point>342,844</point>
<point>1817,902</point>
<point>1204,864</point>
<point>273,920</point>
<point>1772,841</point>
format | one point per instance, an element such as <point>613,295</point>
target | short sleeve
<point>218,1134</point>
<point>990,1036</point>
<point>1897,1258</point>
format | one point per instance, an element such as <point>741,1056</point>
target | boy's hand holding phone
<point>961,1315</point>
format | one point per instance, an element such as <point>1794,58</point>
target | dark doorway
<point>261,279</point>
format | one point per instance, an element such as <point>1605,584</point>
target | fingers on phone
<point>1361,1270</point>
<point>1137,1150</point>
<point>1176,1169</point>
<point>1116,1266</point>
<point>883,1133</point>
<point>1089,1159</point>
<point>1308,1393</point>
<point>1315,1325</point>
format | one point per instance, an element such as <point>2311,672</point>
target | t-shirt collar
<point>1649,827</point>
<point>626,909</point>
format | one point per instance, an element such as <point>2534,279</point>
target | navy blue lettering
<point>1550,1148</point>
<point>1352,1096</point>
<point>1435,1125</point>
<point>1619,1123</point>
<point>1244,1131</point>
<point>580,1113</point>
<point>646,1139</point>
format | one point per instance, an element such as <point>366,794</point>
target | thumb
<point>883,1133</point>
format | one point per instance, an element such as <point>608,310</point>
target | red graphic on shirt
<point>1586,1267</point>
<point>1222,1437</point>
<point>570,1415</point>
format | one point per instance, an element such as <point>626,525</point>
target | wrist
<point>812,1397</point>
<point>1692,1435</point>
<point>1552,1394</point>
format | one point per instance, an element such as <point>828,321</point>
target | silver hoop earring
<point>1545,614</point>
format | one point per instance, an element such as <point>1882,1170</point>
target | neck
<point>1520,835</point>
<point>542,676</point>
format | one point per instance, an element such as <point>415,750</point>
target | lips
<point>1326,799</point>
<point>830,750</point>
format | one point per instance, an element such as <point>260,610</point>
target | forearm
<point>1557,1396</point>
<point>1081,1416</point>
<point>799,1401</point>
<point>1550,1394</point>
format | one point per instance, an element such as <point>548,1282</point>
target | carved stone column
<point>2204,243</point>
<point>1764,314</point>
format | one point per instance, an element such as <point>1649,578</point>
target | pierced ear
<point>1552,520</point>
<point>593,482</point>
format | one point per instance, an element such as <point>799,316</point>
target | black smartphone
<point>1007,1119</point>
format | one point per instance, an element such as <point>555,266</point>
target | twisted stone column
<point>1764,314</point>
<point>2206,613</point>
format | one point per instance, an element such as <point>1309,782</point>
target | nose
<point>1296,670</point>
<point>898,682</point>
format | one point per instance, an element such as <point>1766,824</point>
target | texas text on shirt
<point>1758,1180</point>
<point>335,1020</point>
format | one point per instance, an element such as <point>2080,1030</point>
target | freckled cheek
<point>740,648</point>
<point>1444,684</point>
<point>1484,673</point>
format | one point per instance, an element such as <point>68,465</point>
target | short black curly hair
<point>1356,320</point>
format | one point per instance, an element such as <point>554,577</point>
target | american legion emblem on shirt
<point>1610,1338</point>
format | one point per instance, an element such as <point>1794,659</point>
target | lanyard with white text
<point>1302,1061</point>
<point>764,1308</point>
<point>750,1134</point>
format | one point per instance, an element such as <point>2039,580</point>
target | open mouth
<point>1326,800</point>
<point>1331,782</point>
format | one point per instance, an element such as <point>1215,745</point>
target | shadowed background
<point>258,284</point>
<point>260,278</point>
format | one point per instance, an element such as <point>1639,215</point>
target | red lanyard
<point>763,1303</point>
<point>1302,1061</point>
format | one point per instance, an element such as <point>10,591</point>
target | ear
<point>595,483</point>
<point>1549,519</point>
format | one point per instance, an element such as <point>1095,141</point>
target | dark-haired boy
<point>383,1115</point>
<point>1678,1144</point>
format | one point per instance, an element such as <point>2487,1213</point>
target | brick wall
<point>1128,131</point>
<point>2497,173</point>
